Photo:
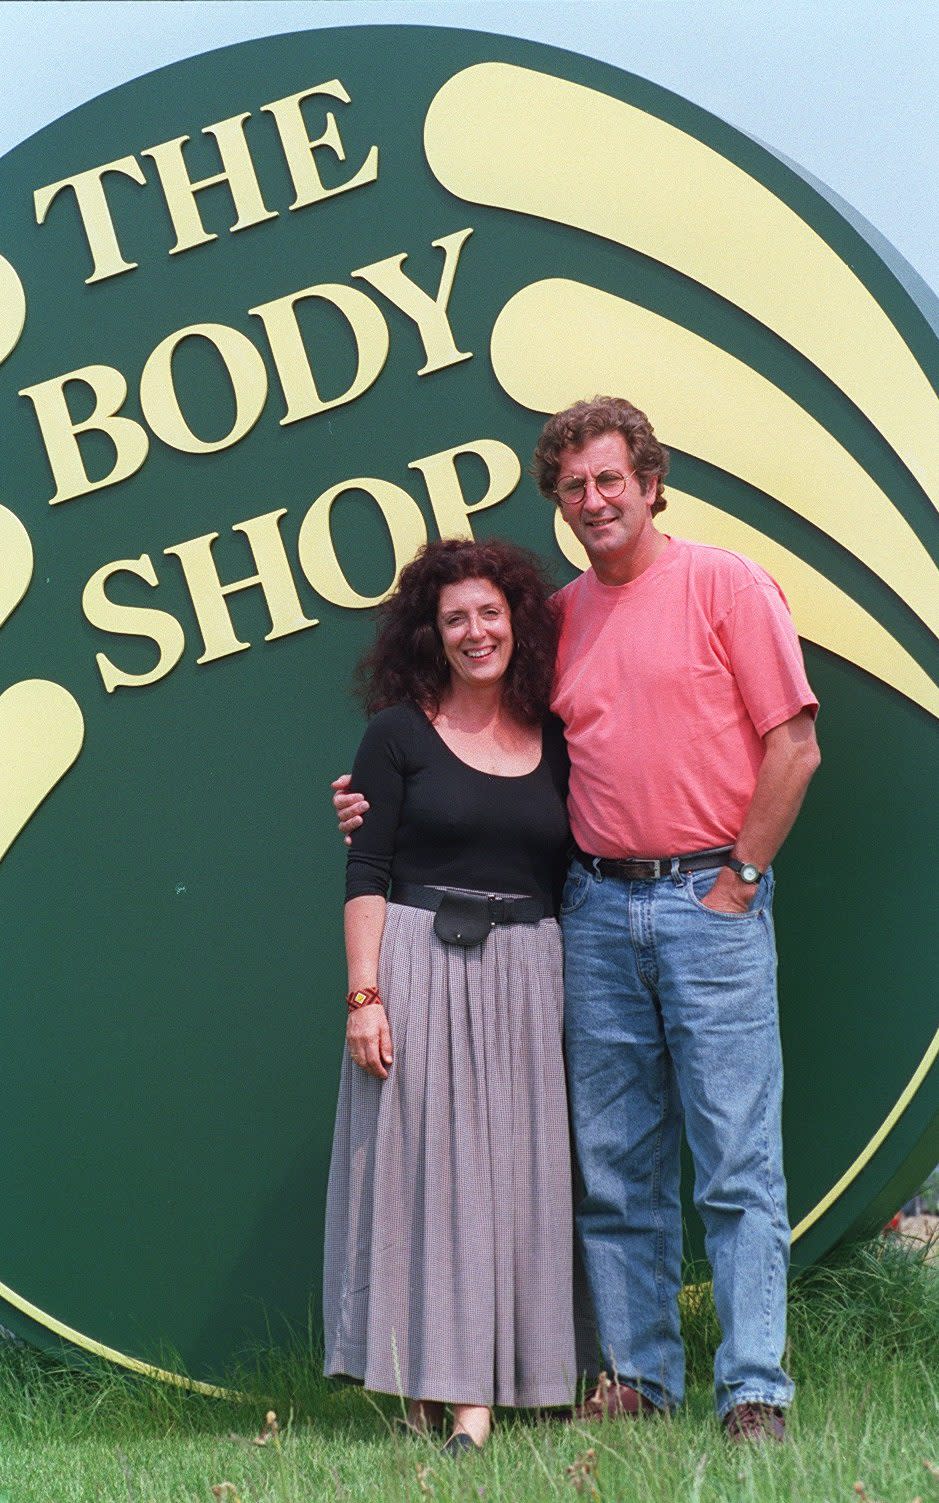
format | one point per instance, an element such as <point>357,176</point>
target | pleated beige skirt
<point>448,1219</point>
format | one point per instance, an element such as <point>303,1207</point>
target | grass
<point>864,1351</point>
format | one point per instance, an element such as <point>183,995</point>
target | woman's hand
<point>369,1039</point>
<point>367,1031</point>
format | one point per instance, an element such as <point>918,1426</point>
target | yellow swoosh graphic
<point>41,725</point>
<point>41,734</point>
<point>823,613</point>
<point>514,138</point>
<point>12,309</point>
<point>557,340</point>
<point>109,1354</point>
<point>16,551</point>
<point>871,1147</point>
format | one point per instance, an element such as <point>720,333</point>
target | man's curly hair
<point>573,427</point>
<point>407,661</point>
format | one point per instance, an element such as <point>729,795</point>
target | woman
<point>448,1225</point>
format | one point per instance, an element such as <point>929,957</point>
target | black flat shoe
<point>459,1444</point>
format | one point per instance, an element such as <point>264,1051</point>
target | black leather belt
<point>499,908</point>
<point>647,869</point>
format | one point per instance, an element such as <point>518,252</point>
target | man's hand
<point>349,806</point>
<point>369,1038</point>
<point>729,894</point>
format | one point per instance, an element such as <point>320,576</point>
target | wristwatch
<point>745,870</point>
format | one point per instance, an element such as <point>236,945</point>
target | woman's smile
<point>475,626</point>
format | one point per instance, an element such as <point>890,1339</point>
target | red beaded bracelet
<point>363,998</point>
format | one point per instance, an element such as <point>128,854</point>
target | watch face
<point>749,872</point>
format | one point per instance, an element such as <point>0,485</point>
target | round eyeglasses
<point>609,484</point>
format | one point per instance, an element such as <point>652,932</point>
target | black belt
<point>646,869</point>
<point>499,907</point>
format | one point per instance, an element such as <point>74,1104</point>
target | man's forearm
<point>790,759</point>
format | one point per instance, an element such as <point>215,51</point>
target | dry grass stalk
<point>271,1431</point>
<point>582,1473</point>
<point>863,1494</point>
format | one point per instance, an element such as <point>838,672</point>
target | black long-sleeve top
<point>436,820</point>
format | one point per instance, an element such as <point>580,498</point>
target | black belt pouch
<point>462,919</point>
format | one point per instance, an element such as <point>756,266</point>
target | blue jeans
<point>670,1012</point>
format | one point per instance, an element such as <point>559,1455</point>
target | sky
<point>844,88</point>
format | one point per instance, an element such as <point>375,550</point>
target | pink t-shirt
<point>665,686</point>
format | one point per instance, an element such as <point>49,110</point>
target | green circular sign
<point>269,318</point>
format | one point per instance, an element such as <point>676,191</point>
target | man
<point>689,722</point>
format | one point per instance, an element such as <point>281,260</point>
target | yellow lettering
<point>132,621</point>
<point>402,517</point>
<point>237,171</point>
<point>428,313</point>
<point>299,149</point>
<point>451,509</point>
<point>60,432</point>
<point>274,577</point>
<point>369,331</point>
<point>97,223</point>
<point>160,403</point>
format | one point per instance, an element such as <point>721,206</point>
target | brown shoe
<point>615,1401</point>
<point>756,1423</point>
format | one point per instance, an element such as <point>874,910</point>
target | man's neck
<point>623,570</point>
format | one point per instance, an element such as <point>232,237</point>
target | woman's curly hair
<point>407,662</point>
